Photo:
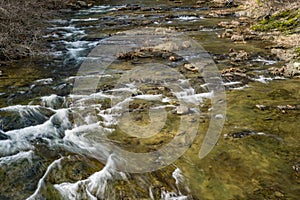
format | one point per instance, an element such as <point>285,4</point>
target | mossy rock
<point>297,51</point>
<point>285,21</point>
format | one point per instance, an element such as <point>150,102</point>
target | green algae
<point>285,21</point>
<point>257,166</point>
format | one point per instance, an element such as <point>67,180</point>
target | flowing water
<point>133,127</point>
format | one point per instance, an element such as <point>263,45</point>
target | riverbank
<point>270,21</point>
<point>23,24</point>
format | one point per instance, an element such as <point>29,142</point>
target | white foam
<point>45,81</point>
<point>41,182</point>
<point>79,101</point>
<point>81,130</point>
<point>120,106</point>
<point>164,106</point>
<point>151,194</point>
<point>189,96</point>
<point>94,186</point>
<point>189,18</point>
<point>262,79</point>
<point>205,85</point>
<point>25,111</point>
<point>240,88</point>
<point>52,100</point>
<point>74,33</point>
<point>19,108</point>
<point>109,119</point>
<point>172,196</point>
<point>178,176</point>
<point>78,139</point>
<point>279,78</point>
<point>76,44</point>
<point>232,83</point>
<point>99,9</point>
<point>8,147</point>
<point>20,138</point>
<point>74,52</point>
<point>56,53</point>
<point>54,35</point>
<point>68,28</point>
<point>149,97</point>
<point>93,44</point>
<point>209,29</point>
<point>84,20</point>
<point>101,95</point>
<point>89,76</point>
<point>184,82</point>
<point>59,21</point>
<point>166,100</point>
<point>7,160</point>
<point>265,61</point>
<point>130,88</point>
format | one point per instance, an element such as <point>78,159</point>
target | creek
<point>118,111</point>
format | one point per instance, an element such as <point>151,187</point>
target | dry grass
<point>22,22</point>
<point>21,26</point>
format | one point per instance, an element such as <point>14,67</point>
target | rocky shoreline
<point>267,21</point>
<point>23,25</point>
<point>252,20</point>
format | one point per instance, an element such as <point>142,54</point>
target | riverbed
<point>145,100</point>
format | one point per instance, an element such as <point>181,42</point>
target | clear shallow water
<point>58,143</point>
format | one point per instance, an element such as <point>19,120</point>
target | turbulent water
<point>120,113</point>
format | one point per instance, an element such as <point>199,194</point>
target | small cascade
<point>95,143</point>
<point>94,187</point>
<point>49,131</point>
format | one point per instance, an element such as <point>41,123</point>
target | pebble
<point>296,167</point>
<point>190,67</point>
<point>219,116</point>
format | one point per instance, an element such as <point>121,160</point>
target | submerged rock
<point>242,134</point>
<point>191,67</point>
<point>229,25</point>
<point>228,33</point>
<point>296,167</point>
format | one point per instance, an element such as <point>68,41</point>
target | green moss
<point>285,21</point>
<point>297,50</point>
